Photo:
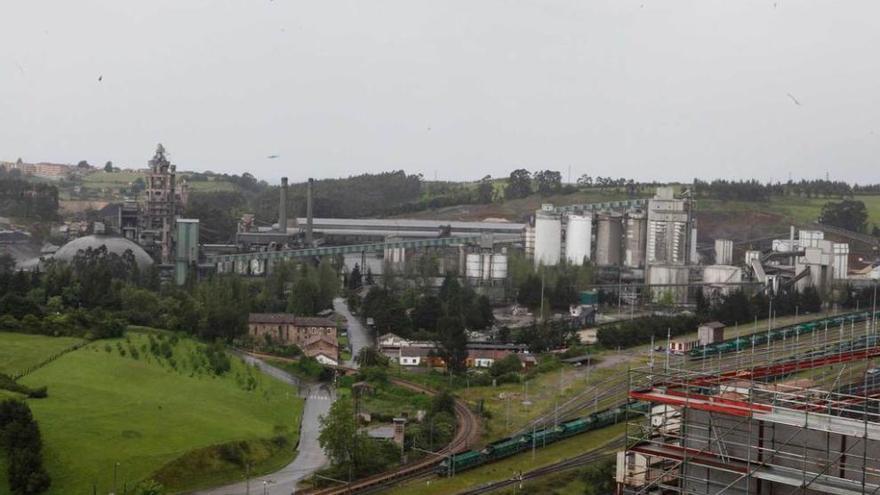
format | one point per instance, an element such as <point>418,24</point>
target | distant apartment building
<point>43,169</point>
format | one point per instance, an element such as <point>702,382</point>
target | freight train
<point>539,438</point>
<point>787,332</point>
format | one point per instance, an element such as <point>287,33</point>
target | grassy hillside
<point>106,407</point>
<point>20,351</point>
<point>115,180</point>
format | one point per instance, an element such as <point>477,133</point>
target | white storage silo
<point>608,239</point>
<point>499,266</point>
<point>841,260</point>
<point>473,265</point>
<point>636,238</point>
<point>723,252</point>
<point>486,259</point>
<point>578,238</point>
<point>548,238</point>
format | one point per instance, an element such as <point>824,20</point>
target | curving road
<point>358,336</point>
<point>309,457</point>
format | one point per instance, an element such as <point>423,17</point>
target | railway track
<point>564,465</point>
<point>467,434</point>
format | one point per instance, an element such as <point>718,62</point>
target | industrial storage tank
<point>499,266</point>
<point>608,234</point>
<point>723,251</point>
<point>473,265</point>
<point>578,238</point>
<point>669,283</point>
<point>487,265</point>
<point>548,238</point>
<point>841,260</point>
<point>721,274</point>
<point>636,237</point>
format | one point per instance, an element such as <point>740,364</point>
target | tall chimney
<point>282,207</point>
<point>309,212</point>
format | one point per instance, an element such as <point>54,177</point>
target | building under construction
<point>804,420</point>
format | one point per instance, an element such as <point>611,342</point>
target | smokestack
<point>282,207</point>
<point>309,212</point>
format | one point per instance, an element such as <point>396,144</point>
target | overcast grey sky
<point>652,89</point>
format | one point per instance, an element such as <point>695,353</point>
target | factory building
<point>671,228</point>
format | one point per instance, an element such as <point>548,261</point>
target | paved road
<point>309,456</point>
<point>357,334</point>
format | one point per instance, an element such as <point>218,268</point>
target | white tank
<point>578,242</point>
<point>722,274</point>
<point>668,283</point>
<point>636,238</point>
<point>473,266</point>
<point>487,265</point>
<point>841,260</point>
<point>499,266</point>
<point>608,237</point>
<point>723,252</point>
<point>548,238</point>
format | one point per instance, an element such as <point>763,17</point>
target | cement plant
<point>439,248</point>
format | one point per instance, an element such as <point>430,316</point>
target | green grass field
<point>20,351</point>
<point>112,180</point>
<point>144,413</point>
<point>799,210</point>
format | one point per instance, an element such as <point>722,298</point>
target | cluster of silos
<point>486,266</point>
<point>619,238</point>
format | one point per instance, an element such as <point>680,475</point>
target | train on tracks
<point>538,438</point>
<point>786,332</point>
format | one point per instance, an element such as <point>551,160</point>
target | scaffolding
<point>790,417</point>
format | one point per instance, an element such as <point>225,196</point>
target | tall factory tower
<point>164,199</point>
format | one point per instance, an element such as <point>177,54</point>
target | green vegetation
<point>506,468</point>
<point>20,442</point>
<point>19,351</point>
<point>159,414</point>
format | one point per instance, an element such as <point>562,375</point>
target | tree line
<point>735,308</point>
<point>20,198</point>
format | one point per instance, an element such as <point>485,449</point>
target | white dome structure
<point>117,245</point>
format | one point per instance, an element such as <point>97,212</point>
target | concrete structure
<point>115,245</point>
<point>578,238</point>
<point>841,260</point>
<point>186,248</point>
<point>609,236</point>
<point>720,280</point>
<point>164,200</point>
<point>636,239</point>
<point>810,238</point>
<point>723,252</point>
<point>548,238</point>
<point>312,335</point>
<point>282,206</point>
<point>709,333</point>
<point>670,229</point>
<point>359,229</point>
<point>669,283</point>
